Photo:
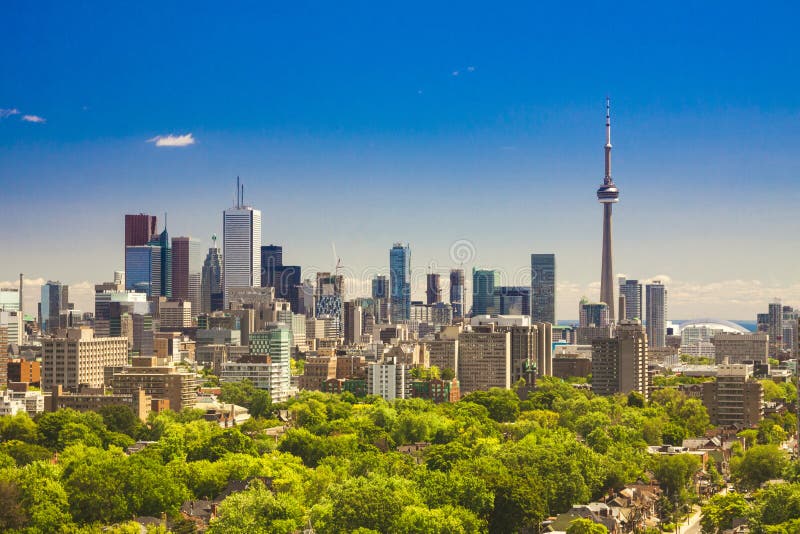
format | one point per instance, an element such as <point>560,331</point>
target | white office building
<point>241,244</point>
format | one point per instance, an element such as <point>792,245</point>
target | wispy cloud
<point>8,112</point>
<point>34,118</point>
<point>173,140</point>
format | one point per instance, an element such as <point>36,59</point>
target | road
<point>692,525</point>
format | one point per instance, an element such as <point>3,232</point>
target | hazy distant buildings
<point>211,290</point>
<point>619,364</point>
<point>543,288</point>
<point>400,282</point>
<point>632,291</point>
<point>241,242</point>
<point>457,292</point>
<point>656,314</point>
<point>485,299</point>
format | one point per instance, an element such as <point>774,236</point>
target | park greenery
<point>491,463</point>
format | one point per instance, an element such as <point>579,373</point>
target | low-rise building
<point>162,382</point>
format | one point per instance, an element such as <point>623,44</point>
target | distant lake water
<point>750,325</point>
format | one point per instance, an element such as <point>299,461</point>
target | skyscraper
<point>241,242</point>
<point>514,300</point>
<point>607,195</point>
<point>400,282</point>
<point>457,292</point>
<point>485,299</point>
<point>434,289</point>
<point>211,292</point>
<point>619,364</point>
<point>271,260</point>
<point>143,270</point>
<point>55,299</point>
<point>543,288</point>
<point>380,295</point>
<point>187,271</point>
<point>139,229</point>
<point>162,241</point>
<point>593,314</point>
<point>656,314</point>
<point>632,291</point>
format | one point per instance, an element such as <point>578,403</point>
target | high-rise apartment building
<point>457,292</point>
<point>619,364</point>
<point>9,299</point>
<point>484,360</point>
<point>400,282</point>
<point>485,300</point>
<point>268,366</point>
<point>187,271</point>
<point>735,398</point>
<point>632,291</point>
<point>352,322</point>
<point>656,314</point>
<point>241,247</point>
<point>78,358</point>
<point>775,327</point>
<point>54,301</point>
<point>211,291</point>
<point>433,293</point>
<point>543,288</point>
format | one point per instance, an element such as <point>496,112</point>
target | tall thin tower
<point>607,195</point>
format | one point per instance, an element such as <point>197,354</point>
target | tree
<point>675,472</point>
<point>375,503</point>
<point>585,526</point>
<point>503,404</point>
<point>759,464</point>
<point>448,374</point>
<point>721,510</point>
<point>121,419</point>
<point>257,510</point>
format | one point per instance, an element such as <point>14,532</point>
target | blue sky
<point>365,123</point>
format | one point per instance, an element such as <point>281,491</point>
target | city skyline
<point>441,117</point>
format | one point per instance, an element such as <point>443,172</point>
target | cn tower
<point>607,195</point>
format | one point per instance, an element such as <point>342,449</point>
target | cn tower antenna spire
<point>608,141</point>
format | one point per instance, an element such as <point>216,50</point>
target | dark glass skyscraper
<point>211,291</point>
<point>271,260</point>
<point>143,270</point>
<point>380,297</point>
<point>514,300</point>
<point>54,300</point>
<point>457,292</point>
<point>543,288</point>
<point>485,299</point>
<point>400,282</point>
<point>434,289</point>
<point>162,241</point>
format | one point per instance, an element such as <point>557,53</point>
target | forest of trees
<point>494,463</point>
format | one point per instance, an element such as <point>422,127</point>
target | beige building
<point>443,353</point>
<point>175,313</point>
<point>735,398</point>
<point>738,348</point>
<point>484,359</point>
<point>92,399</point>
<point>619,364</point>
<point>79,358</point>
<point>161,382</point>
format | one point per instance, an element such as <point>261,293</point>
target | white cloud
<point>471,68</point>
<point>455,73</point>
<point>34,118</point>
<point>8,112</point>
<point>173,140</point>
